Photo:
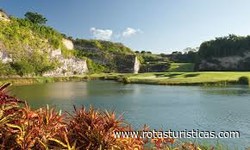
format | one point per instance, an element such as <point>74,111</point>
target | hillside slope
<point>30,49</point>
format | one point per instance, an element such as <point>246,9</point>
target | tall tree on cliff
<point>35,18</point>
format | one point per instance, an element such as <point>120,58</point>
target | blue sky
<point>155,25</point>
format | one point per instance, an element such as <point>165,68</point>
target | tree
<point>35,18</point>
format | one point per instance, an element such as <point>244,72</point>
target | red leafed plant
<point>91,129</point>
<point>23,128</point>
<point>40,129</point>
<point>10,112</point>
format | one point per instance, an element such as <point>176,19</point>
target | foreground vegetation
<point>23,128</point>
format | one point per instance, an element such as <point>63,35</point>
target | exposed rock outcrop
<point>4,57</point>
<point>68,66</point>
<point>4,16</point>
<point>127,64</point>
<point>230,63</point>
<point>68,44</point>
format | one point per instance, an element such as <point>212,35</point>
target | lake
<point>161,107</point>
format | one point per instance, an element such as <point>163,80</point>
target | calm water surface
<point>161,107</point>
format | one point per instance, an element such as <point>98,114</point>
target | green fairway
<point>187,78</point>
<point>181,67</point>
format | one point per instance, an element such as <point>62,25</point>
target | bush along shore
<point>40,80</point>
<point>23,128</point>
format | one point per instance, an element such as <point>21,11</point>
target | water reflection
<point>228,91</point>
<point>67,90</point>
<point>161,107</point>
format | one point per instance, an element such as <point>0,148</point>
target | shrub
<point>6,69</point>
<point>23,67</point>
<point>95,67</point>
<point>39,129</point>
<point>124,80</point>
<point>35,17</point>
<point>93,129</point>
<point>23,128</point>
<point>10,112</point>
<point>243,80</point>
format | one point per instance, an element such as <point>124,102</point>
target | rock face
<point>68,44</point>
<point>114,56</point>
<point>68,66</point>
<point>230,63</point>
<point>3,16</point>
<point>127,64</point>
<point>4,57</point>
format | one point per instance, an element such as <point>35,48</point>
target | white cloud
<point>101,34</point>
<point>130,31</point>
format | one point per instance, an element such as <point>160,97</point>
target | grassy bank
<point>40,80</point>
<point>162,78</point>
<point>180,78</point>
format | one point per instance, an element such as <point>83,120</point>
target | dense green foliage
<point>105,46</point>
<point>95,67</point>
<point>187,57</point>
<point>6,69</point>
<point>35,17</point>
<point>243,80</point>
<point>28,44</point>
<point>152,58</point>
<point>225,46</point>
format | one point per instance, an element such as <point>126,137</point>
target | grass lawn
<point>187,78</point>
<point>181,67</point>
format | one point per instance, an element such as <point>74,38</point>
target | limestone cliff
<point>68,66</point>
<point>4,16</point>
<point>115,57</point>
<point>228,63</point>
